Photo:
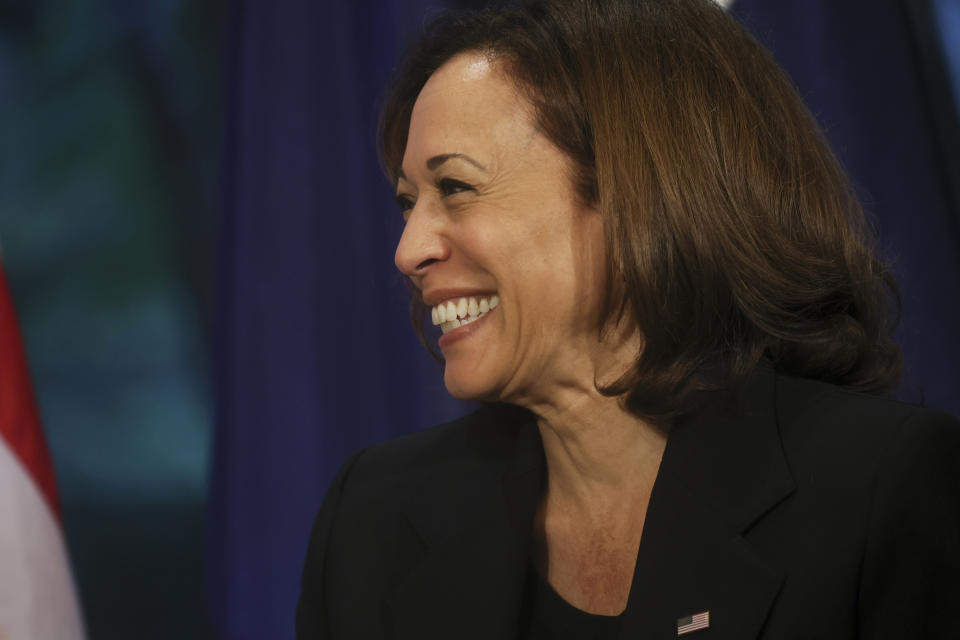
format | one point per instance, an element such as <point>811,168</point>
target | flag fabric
<point>859,68</point>
<point>37,597</point>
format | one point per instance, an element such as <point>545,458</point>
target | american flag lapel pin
<point>689,624</point>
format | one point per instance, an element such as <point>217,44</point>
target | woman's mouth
<point>456,313</point>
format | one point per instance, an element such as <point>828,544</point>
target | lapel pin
<point>689,624</point>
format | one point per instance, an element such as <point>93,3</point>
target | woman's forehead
<point>469,102</point>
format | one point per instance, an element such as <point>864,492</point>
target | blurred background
<point>199,244</point>
<point>111,130</point>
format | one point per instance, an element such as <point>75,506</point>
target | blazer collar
<point>469,580</point>
<point>722,469</point>
<point>729,453</point>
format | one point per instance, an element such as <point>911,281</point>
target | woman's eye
<point>449,187</point>
<point>404,202</point>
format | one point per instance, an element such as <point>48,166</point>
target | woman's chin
<point>467,386</point>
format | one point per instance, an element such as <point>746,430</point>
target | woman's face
<point>491,215</point>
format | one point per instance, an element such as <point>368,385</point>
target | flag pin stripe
<point>697,621</point>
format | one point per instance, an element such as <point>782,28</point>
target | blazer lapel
<point>469,579</point>
<point>690,562</point>
<point>721,471</point>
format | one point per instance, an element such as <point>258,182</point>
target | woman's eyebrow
<point>436,161</point>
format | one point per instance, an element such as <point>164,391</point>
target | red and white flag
<point>37,597</point>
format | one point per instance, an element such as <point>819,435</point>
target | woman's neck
<point>599,455</point>
<point>602,462</point>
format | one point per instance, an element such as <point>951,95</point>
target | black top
<point>545,615</point>
<point>793,509</point>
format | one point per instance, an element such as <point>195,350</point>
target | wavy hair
<point>732,232</point>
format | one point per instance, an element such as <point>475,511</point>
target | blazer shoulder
<point>484,438</point>
<point>388,502</point>
<point>874,513</point>
<point>810,409</point>
<point>843,440</point>
<point>909,585</point>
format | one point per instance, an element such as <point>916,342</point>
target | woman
<point>643,256</point>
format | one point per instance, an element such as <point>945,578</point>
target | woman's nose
<point>421,243</point>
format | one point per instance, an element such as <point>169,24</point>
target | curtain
<point>314,352</point>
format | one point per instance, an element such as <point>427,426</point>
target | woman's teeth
<point>453,314</point>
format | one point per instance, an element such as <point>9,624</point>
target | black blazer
<point>792,509</point>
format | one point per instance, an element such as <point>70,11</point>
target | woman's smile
<point>453,332</point>
<point>456,313</point>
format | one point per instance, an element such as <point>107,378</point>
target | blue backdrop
<point>315,356</point>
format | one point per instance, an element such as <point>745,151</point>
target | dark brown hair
<point>728,220</point>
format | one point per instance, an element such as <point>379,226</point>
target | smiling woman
<point>491,215</point>
<point>647,263</point>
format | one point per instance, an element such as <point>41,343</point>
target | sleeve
<point>311,622</point>
<point>910,580</point>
